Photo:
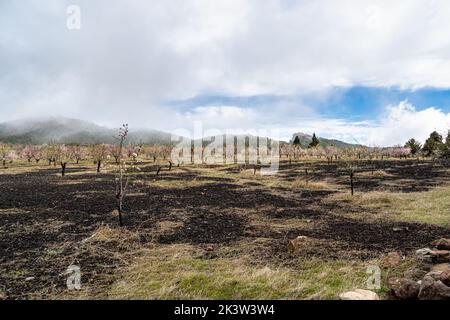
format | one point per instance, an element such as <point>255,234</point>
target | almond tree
<point>28,153</point>
<point>166,151</point>
<point>63,155</point>
<point>51,153</point>
<point>38,153</point>
<point>6,154</point>
<point>151,152</point>
<point>116,152</point>
<point>78,153</point>
<point>331,152</point>
<point>298,151</point>
<point>99,153</point>
<point>400,152</point>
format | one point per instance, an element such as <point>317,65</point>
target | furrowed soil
<point>49,222</point>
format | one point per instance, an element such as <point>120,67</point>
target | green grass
<point>173,272</point>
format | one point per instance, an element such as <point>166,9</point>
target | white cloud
<point>395,125</point>
<point>129,59</point>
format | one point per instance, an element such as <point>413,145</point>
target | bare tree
<point>121,180</point>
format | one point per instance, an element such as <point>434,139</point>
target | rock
<point>442,244</point>
<point>441,267</point>
<point>431,289</point>
<point>2,296</point>
<point>441,255</point>
<point>209,248</point>
<point>436,275</point>
<point>428,256</point>
<point>445,277</point>
<point>359,294</point>
<point>424,257</point>
<point>296,243</point>
<point>390,295</point>
<point>404,289</point>
<point>30,279</point>
<point>393,259</point>
<point>414,274</point>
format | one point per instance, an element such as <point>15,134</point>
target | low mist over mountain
<point>72,131</point>
<point>305,140</point>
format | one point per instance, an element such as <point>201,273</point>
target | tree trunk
<point>351,182</point>
<point>99,163</point>
<point>170,165</point>
<point>63,168</point>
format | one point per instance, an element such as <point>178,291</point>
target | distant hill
<point>72,131</point>
<point>305,140</point>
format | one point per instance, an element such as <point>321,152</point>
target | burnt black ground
<point>45,218</point>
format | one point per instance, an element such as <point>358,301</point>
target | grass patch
<point>301,183</point>
<point>174,272</point>
<point>425,207</point>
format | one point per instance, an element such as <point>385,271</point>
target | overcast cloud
<point>131,60</point>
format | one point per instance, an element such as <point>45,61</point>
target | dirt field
<point>215,231</point>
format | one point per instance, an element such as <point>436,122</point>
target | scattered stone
<point>393,259</point>
<point>404,289</point>
<point>431,289</point>
<point>209,248</point>
<point>2,296</point>
<point>400,229</point>
<point>442,244</point>
<point>30,279</point>
<point>359,294</point>
<point>296,243</point>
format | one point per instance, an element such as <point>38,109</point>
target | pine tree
<point>433,144</point>
<point>414,145</point>
<point>314,142</point>
<point>296,141</point>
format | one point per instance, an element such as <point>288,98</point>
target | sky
<point>375,72</point>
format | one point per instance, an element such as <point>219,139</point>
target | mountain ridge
<point>72,131</point>
<point>76,131</point>
<point>305,140</point>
